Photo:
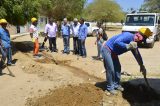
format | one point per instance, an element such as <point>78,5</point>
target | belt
<point>112,53</point>
<point>105,46</point>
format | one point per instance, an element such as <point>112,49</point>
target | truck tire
<point>151,45</point>
<point>94,33</point>
<point>158,37</point>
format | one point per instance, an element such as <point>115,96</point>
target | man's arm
<point>31,32</point>
<point>31,35</point>
<point>61,30</point>
<point>56,29</point>
<point>86,31</point>
<point>69,30</point>
<point>46,30</point>
<point>137,56</point>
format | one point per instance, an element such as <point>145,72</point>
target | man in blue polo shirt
<point>118,45</point>
<point>65,31</point>
<point>82,35</point>
<point>5,44</point>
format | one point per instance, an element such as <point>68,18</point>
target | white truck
<point>150,20</point>
<point>92,28</point>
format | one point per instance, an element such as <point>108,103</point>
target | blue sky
<point>127,4</point>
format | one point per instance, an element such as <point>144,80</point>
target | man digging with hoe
<point>118,45</point>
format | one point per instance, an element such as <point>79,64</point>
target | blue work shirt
<point>5,37</point>
<point>65,29</point>
<point>83,31</point>
<point>117,43</point>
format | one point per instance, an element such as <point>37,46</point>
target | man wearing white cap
<point>75,28</point>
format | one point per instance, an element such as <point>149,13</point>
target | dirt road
<point>73,81</point>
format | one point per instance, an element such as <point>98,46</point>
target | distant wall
<point>23,29</point>
<point>12,29</point>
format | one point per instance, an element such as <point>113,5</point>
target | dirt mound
<point>82,95</point>
<point>33,68</point>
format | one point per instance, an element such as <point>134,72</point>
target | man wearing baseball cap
<point>75,29</point>
<point>118,45</point>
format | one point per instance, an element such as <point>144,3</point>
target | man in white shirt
<point>51,31</point>
<point>75,29</point>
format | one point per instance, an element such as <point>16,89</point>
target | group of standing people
<point>79,31</point>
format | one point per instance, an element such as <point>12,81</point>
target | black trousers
<point>75,45</point>
<point>52,44</point>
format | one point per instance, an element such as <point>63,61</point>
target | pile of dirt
<point>33,68</point>
<point>82,95</point>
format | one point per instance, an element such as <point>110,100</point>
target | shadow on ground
<point>25,46</point>
<point>137,93</point>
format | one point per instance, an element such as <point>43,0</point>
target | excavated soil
<point>82,95</point>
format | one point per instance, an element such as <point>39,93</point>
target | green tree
<point>62,8</point>
<point>18,12</point>
<point>151,6</point>
<point>104,10</point>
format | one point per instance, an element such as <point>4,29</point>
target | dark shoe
<point>113,92</point>
<point>120,88</point>
<point>10,64</point>
<point>56,50</point>
<point>67,52</point>
<point>84,56</point>
<point>97,58</point>
<point>36,56</point>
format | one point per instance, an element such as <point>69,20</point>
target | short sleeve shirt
<point>33,29</point>
<point>51,30</point>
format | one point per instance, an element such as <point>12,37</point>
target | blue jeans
<point>66,43</point>
<point>75,45</point>
<point>113,69</point>
<point>9,55</point>
<point>4,55</point>
<point>99,45</point>
<point>82,48</point>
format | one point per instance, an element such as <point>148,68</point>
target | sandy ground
<point>67,80</point>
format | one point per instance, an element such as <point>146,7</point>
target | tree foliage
<point>18,12</point>
<point>104,10</point>
<point>62,8</point>
<point>151,6</point>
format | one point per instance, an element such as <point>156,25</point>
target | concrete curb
<point>18,35</point>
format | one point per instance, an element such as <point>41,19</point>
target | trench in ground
<point>133,94</point>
